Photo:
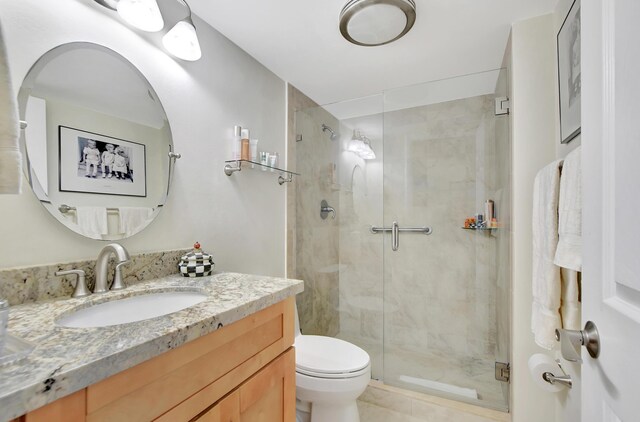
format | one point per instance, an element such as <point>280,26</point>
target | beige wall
<point>534,135</point>
<point>239,219</point>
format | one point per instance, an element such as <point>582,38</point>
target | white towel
<point>133,219</point>
<point>569,253</point>
<point>10,156</point>
<point>92,221</point>
<point>545,312</point>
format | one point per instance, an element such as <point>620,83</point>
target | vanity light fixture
<point>361,146</point>
<point>142,14</point>
<point>367,152</point>
<point>355,144</point>
<point>182,40</point>
<point>376,22</point>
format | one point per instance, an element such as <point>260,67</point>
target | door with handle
<point>611,182</point>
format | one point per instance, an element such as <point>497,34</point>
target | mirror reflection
<point>97,141</point>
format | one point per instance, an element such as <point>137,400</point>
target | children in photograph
<point>108,156</point>
<point>91,157</point>
<point>120,164</point>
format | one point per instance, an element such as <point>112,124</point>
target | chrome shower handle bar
<point>396,230</point>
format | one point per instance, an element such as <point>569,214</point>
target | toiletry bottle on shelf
<point>253,144</point>
<point>273,160</point>
<point>236,143</point>
<point>245,152</point>
<point>264,160</point>
<point>488,210</point>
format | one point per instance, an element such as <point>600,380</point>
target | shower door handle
<point>395,230</point>
<point>395,236</point>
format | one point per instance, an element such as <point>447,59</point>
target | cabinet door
<point>270,395</point>
<point>226,410</point>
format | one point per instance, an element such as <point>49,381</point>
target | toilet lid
<point>328,355</point>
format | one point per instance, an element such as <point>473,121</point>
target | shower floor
<point>443,373</point>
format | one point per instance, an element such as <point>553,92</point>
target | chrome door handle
<point>571,340</point>
<point>395,230</point>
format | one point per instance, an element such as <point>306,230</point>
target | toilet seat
<point>328,357</point>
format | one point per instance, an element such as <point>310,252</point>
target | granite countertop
<point>66,360</point>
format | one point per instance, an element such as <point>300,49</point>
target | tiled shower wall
<point>312,242</point>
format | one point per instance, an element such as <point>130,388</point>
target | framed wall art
<point>100,164</point>
<point>569,74</point>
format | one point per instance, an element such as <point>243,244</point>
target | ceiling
<point>300,42</point>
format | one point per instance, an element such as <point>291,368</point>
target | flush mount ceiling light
<point>142,14</point>
<point>376,22</point>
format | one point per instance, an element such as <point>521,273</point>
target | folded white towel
<point>569,252</point>
<point>10,156</point>
<point>545,313</point>
<point>92,221</point>
<point>133,219</point>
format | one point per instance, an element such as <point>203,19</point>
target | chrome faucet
<point>102,262</point>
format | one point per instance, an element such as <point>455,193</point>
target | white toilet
<point>330,375</point>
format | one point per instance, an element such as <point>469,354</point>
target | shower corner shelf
<point>485,229</point>
<point>284,176</point>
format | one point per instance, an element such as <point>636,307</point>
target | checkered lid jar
<point>196,263</point>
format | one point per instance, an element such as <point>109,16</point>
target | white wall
<point>534,135</point>
<point>239,219</point>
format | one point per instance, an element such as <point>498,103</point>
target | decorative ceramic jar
<point>196,263</point>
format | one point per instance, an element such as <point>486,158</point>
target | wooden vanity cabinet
<point>242,372</point>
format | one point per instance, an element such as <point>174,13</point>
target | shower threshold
<point>471,393</point>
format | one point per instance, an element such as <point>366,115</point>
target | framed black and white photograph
<point>94,163</point>
<point>569,74</point>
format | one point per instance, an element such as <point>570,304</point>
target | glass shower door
<point>441,289</point>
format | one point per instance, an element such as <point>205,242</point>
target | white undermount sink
<point>132,309</point>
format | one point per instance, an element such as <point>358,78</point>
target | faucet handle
<point>118,282</point>
<point>81,289</point>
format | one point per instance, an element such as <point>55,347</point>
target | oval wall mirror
<point>97,141</point>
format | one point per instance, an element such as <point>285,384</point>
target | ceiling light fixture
<point>376,22</point>
<point>182,40</point>
<point>142,14</point>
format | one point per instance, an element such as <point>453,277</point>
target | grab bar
<point>395,232</point>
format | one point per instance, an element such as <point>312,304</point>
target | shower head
<point>326,128</point>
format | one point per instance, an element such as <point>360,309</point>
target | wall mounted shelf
<point>284,176</point>
<point>480,228</point>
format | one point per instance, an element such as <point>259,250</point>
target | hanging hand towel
<point>10,157</point>
<point>92,221</point>
<point>545,315</point>
<point>133,219</point>
<point>569,253</point>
